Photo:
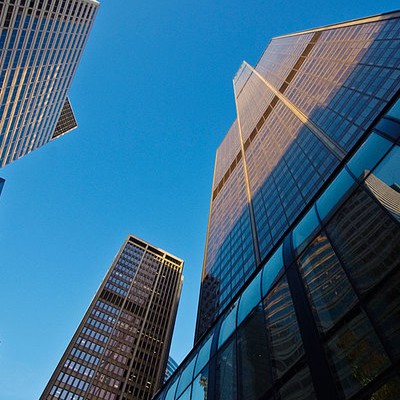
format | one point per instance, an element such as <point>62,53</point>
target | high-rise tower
<point>300,111</point>
<point>41,43</point>
<point>300,289</point>
<point>120,349</point>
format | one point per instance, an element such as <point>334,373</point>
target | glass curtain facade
<point>120,349</point>
<point>41,43</point>
<point>307,104</point>
<point>321,318</point>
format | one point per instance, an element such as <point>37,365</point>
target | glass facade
<point>301,111</point>
<point>41,44</point>
<point>120,349</point>
<point>321,318</point>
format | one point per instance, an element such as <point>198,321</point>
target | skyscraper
<point>41,43</point>
<point>120,349</point>
<point>300,287</point>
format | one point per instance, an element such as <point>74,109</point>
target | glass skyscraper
<point>41,43</point>
<point>300,293</point>
<point>120,349</point>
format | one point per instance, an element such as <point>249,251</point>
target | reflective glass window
<point>286,346</point>
<point>328,288</point>
<point>299,387</point>
<point>384,308</point>
<point>366,239</point>
<point>200,386</point>
<point>203,355</point>
<point>228,326</point>
<point>254,372</point>
<point>250,298</point>
<point>356,355</point>
<point>186,394</point>
<point>172,389</point>
<point>305,230</point>
<point>369,154</point>
<point>186,376</point>
<point>395,110</point>
<point>226,387</point>
<point>271,270</point>
<point>334,194</point>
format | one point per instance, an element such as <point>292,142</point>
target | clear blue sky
<point>153,98</point>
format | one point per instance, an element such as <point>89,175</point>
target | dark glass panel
<point>284,338</point>
<point>395,110</point>
<point>356,355</point>
<point>200,386</point>
<point>186,376</point>
<point>328,288</point>
<point>366,239</point>
<point>385,310</point>
<point>390,390</point>
<point>254,364</point>
<point>226,388</point>
<point>299,387</point>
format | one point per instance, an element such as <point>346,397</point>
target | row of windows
<point>99,325</point>
<point>71,380</point>
<point>90,345</point>
<point>95,335</point>
<point>87,357</point>
<point>79,368</point>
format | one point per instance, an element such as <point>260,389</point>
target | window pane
<point>335,193</point>
<point>385,309</point>
<point>228,326</point>
<point>328,288</point>
<point>200,386</point>
<point>225,388</point>
<point>186,376</point>
<point>366,239</point>
<point>171,391</point>
<point>395,110</point>
<point>186,394</point>
<point>285,342</point>
<point>356,355</point>
<point>305,230</point>
<point>368,155</point>
<point>204,355</point>
<point>271,270</point>
<point>250,298</point>
<point>299,387</point>
<point>254,363</point>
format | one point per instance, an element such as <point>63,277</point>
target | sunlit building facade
<point>300,288</point>
<point>41,43</point>
<point>120,349</point>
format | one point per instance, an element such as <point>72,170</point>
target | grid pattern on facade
<point>120,349</point>
<point>66,122</point>
<point>307,103</point>
<point>41,44</point>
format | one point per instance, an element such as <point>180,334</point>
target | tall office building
<point>120,349</point>
<point>300,287</point>
<point>41,43</point>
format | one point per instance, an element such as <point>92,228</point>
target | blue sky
<point>153,97</point>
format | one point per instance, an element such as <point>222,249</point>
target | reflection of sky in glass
<point>389,169</point>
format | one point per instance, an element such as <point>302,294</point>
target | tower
<point>41,44</point>
<point>299,297</point>
<point>120,349</point>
